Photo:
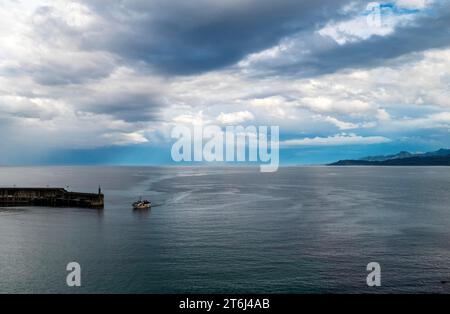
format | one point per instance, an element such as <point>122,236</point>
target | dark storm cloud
<point>188,37</point>
<point>58,74</point>
<point>325,56</point>
<point>129,107</point>
<point>426,33</point>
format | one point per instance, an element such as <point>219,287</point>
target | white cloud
<point>366,98</point>
<point>119,138</point>
<point>336,140</point>
<point>432,121</point>
<point>342,125</point>
<point>275,106</point>
<point>191,119</point>
<point>383,115</point>
<point>268,54</point>
<point>357,29</point>
<point>235,117</point>
<point>375,22</point>
<point>441,117</point>
<point>326,104</point>
<point>414,4</point>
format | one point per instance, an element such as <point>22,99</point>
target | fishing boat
<point>142,204</point>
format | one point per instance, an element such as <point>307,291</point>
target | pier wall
<point>53,197</point>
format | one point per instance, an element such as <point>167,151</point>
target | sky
<point>105,82</point>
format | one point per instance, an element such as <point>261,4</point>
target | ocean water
<point>232,230</point>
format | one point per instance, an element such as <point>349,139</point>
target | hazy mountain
<point>440,157</point>
<point>383,158</point>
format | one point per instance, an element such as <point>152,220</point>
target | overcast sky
<point>105,81</point>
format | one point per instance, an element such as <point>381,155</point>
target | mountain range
<point>440,157</point>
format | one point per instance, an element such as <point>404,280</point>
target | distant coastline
<point>440,157</point>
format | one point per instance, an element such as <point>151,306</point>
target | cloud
<point>414,4</point>
<point>187,37</point>
<point>90,74</point>
<point>235,117</point>
<point>130,107</point>
<point>338,139</point>
<point>433,122</point>
<point>63,68</point>
<point>23,107</point>
<point>342,125</point>
<point>125,138</point>
<point>323,104</point>
<point>42,42</point>
<point>191,119</point>
<point>276,106</point>
<point>373,51</point>
<point>353,44</point>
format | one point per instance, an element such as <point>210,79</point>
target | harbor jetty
<point>51,197</point>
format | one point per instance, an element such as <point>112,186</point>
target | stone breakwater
<point>51,197</point>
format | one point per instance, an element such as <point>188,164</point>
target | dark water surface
<point>305,229</point>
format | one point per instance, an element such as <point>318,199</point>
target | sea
<point>232,230</point>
